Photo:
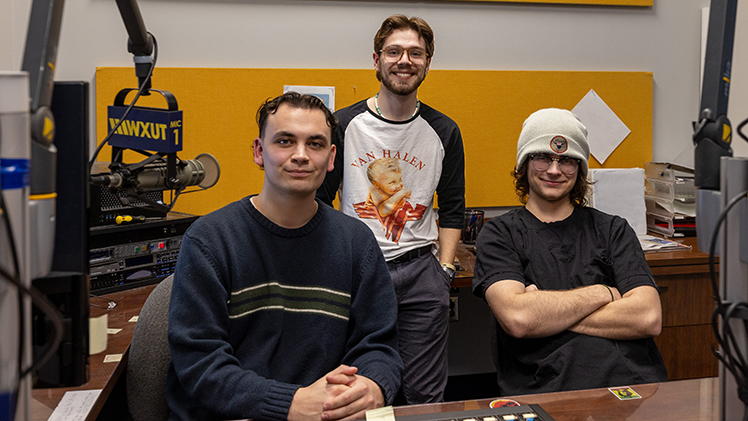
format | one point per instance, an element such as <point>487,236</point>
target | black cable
<point>141,88</point>
<point>16,278</point>
<point>728,338</point>
<point>37,299</point>
<point>731,356</point>
<point>41,302</point>
<point>715,236</point>
<point>740,129</point>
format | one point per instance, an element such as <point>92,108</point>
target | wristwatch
<point>450,269</point>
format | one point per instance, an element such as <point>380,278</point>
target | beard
<point>399,88</point>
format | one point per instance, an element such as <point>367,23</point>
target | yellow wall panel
<point>219,107</point>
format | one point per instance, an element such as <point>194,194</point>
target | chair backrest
<point>149,357</point>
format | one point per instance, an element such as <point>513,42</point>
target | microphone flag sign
<point>149,129</point>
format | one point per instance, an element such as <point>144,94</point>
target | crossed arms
<point>526,312</point>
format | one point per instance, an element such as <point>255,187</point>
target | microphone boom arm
<point>140,43</point>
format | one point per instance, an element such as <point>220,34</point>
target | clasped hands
<point>340,395</point>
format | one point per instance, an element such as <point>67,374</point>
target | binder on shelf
<point>670,199</point>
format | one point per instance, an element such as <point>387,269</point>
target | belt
<point>412,254</point>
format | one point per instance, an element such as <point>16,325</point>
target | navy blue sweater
<point>258,311</point>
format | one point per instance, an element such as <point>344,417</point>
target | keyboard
<point>531,412</point>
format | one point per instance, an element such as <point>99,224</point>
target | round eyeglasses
<point>543,162</point>
<point>394,53</point>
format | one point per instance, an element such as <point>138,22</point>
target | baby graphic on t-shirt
<point>386,201</point>
<point>386,191</point>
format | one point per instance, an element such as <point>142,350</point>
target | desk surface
<point>684,400</point>
<point>695,397</point>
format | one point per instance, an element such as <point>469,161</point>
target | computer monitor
<point>67,285</point>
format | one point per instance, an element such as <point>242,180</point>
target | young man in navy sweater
<point>282,307</point>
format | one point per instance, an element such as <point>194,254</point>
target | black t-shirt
<point>589,247</point>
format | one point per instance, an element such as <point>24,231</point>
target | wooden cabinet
<point>687,297</point>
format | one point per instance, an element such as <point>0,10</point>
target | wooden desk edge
<point>45,400</point>
<point>682,399</point>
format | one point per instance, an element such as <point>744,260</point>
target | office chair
<point>150,357</point>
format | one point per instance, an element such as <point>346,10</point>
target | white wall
<point>663,39</point>
<point>14,15</point>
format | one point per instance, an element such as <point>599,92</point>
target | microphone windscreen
<point>211,168</point>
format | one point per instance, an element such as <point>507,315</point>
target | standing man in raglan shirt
<point>394,154</point>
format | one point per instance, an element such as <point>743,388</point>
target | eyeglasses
<point>394,53</point>
<point>543,162</point>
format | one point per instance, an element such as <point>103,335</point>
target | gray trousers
<point>422,289</point>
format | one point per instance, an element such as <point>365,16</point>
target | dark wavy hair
<point>296,100</point>
<point>577,197</point>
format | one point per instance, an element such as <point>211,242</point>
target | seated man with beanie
<point>575,303</point>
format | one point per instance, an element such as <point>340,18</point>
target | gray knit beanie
<point>554,131</point>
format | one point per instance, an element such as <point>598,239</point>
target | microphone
<point>203,171</point>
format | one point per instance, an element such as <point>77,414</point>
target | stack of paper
<point>620,191</point>
<point>651,243</point>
